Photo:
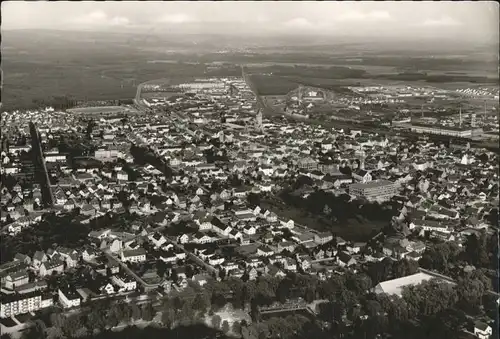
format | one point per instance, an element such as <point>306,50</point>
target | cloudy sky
<point>457,20</point>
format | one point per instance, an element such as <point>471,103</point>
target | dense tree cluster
<point>51,231</point>
<point>479,252</point>
<point>340,208</point>
<point>143,156</point>
<point>59,230</point>
<point>97,316</point>
<point>347,299</point>
<point>72,145</point>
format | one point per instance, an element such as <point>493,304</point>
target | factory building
<point>457,132</point>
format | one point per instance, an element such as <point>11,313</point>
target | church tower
<point>258,121</point>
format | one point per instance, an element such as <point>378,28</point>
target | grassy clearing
<point>354,229</point>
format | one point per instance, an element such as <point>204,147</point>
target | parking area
<point>7,322</point>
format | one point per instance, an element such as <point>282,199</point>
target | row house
<point>51,267</point>
<point>134,256</point>
<point>16,279</point>
<point>124,282</point>
<point>14,304</point>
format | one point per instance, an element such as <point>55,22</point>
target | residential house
<point>124,282</point>
<point>68,298</point>
<point>88,210</point>
<point>286,245</point>
<point>252,274</point>
<point>202,238</point>
<point>138,255</point>
<point>323,238</point>
<point>356,247</point>
<point>249,230</point>
<point>157,239</point>
<point>39,258</point>
<point>482,330</point>
<point>290,265</point>
<point>344,259</point>
<point>51,267</point>
<point>235,234</point>
<point>264,251</point>
<point>215,260</point>
<point>122,176</point>
<point>201,279</point>
<point>89,254</point>
<point>362,175</point>
<point>182,239</point>
<point>108,289</point>
<point>22,258</point>
<point>16,279</point>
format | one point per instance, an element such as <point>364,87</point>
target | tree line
<point>347,300</point>
<point>56,102</point>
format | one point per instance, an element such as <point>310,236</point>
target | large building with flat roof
<point>380,190</point>
<point>14,304</point>
<point>458,132</point>
<point>396,286</point>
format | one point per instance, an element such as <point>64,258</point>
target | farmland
<point>272,85</point>
<point>81,69</point>
<point>87,66</point>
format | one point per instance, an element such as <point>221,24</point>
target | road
<point>41,173</point>
<point>137,99</point>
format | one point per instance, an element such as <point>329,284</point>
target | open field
<point>272,85</point>
<point>170,81</point>
<point>229,314</point>
<point>101,109</point>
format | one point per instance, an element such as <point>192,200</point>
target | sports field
<point>100,109</point>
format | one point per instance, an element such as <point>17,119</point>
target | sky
<point>451,20</point>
